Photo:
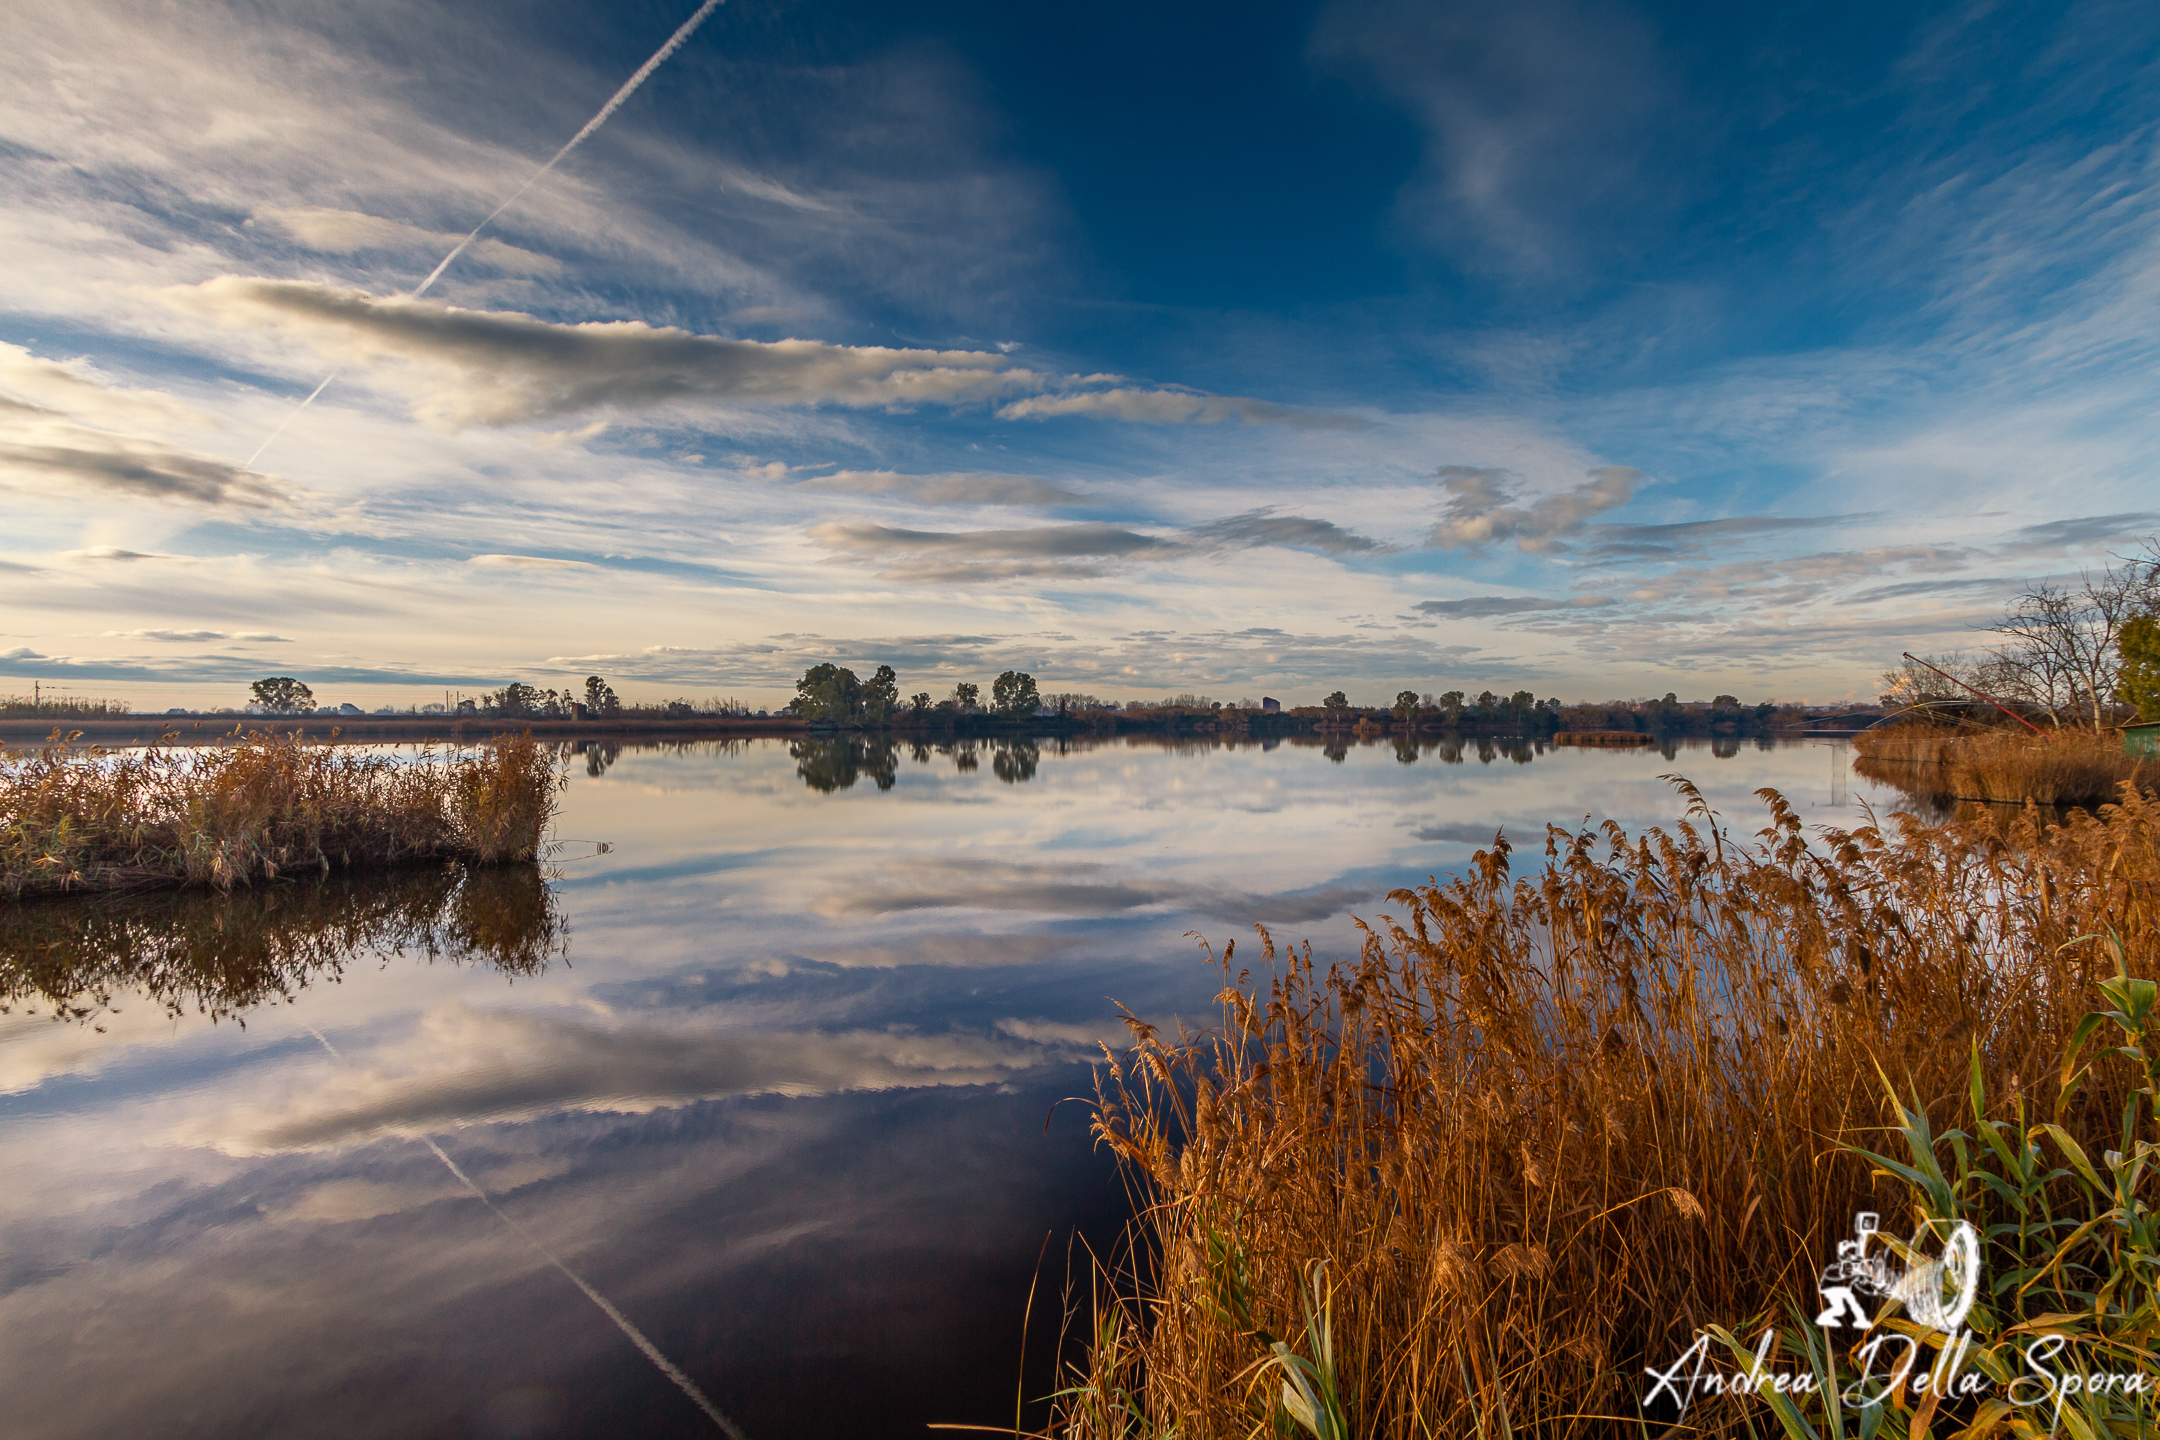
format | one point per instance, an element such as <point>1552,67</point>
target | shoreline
<point>29,733</point>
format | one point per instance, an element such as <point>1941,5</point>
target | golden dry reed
<point>1544,1129</point>
<point>254,807</point>
<point>2068,767</point>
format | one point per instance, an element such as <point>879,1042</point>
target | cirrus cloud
<point>345,232</point>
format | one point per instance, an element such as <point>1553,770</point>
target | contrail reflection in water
<point>651,1351</point>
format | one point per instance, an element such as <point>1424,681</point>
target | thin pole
<point>1970,691</point>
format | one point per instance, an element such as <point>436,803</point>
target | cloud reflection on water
<point>782,1099</point>
<point>468,1065</point>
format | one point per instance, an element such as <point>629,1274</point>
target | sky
<point>1597,350</point>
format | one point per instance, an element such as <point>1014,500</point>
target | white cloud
<point>476,367</point>
<point>1298,532</point>
<point>1493,607</point>
<point>250,636</point>
<point>344,232</point>
<point>62,458</point>
<point>956,487</point>
<point>1071,551</point>
<point>1177,407</point>
<point>529,562</point>
<point>63,430</point>
<point>1481,511</point>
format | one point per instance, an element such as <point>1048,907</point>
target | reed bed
<point>256,807</point>
<point>2070,767</point>
<point>60,707</point>
<point>1544,1129</point>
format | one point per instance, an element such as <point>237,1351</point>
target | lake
<point>748,1115</point>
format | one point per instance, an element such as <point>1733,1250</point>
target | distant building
<point>1270,705</point>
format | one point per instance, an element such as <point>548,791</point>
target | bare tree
<point>2064,651</point>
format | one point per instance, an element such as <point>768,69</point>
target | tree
<point>2064,652</point>
<point>829,695</point>
<point>2139,650</point>
<point>881,697</point>
<point>282,695</point>
<point>516,699</point>
<point>1406,704</point>
<point>966,697</point>
<point>1013,693</point>
<point>1451,705</point>
<point>1337,701</point>
<point>919,702</point>
<point>1724,702</point>
<point>600,697</point>
<point>1913,685</point>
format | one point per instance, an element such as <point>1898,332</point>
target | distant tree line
<point>832,695</point>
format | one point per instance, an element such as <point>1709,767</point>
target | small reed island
<point>2003,765</point>
<point>76,819</point>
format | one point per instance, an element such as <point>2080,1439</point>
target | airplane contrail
<point>674,43</point>
<point>290,416</point>
<point>636,1336</point>
<point>615,102</point>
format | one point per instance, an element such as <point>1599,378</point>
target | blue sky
<point>1592,349</point>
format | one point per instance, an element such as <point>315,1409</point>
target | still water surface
<point>770,1076</point>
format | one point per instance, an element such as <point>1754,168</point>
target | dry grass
<point>1542,1130</point>
<point>2071,767</point>
<point>222,955</point>
<point>258,806</point>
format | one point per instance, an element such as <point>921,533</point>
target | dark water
<point>770,1077</point>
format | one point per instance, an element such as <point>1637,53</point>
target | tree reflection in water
<point>827,763</point>
<point>834,762</point>
<point>222,955</point>
<point>1015,760</point>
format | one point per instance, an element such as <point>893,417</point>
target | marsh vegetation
<point>255,807</point>
<point>1548,1127</point>
<point>1999,765</point>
